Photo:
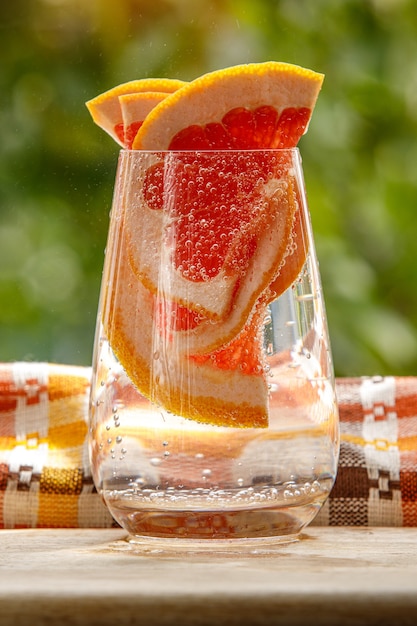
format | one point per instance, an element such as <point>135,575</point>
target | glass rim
<point>225,151</point>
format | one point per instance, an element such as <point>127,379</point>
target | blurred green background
<point>57,168</point>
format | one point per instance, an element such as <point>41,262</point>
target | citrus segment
<point>106,111</point>
<point>242,129</point>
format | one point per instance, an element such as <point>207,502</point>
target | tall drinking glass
<point>213,410</point>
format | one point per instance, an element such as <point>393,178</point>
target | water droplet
<point>119,439</point>
<point>155,461</point>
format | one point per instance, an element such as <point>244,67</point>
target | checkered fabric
<point>376,484</point>
<point>45,478</point>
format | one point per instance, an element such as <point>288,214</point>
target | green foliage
<point>57,168</point>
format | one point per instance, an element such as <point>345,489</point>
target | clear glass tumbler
<point>213,411</point>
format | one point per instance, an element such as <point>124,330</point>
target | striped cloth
<point>45,478</point>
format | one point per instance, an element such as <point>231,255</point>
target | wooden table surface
<point>331,576</point>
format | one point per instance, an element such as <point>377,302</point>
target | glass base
<point>169,531</point>
<point>175,546</point>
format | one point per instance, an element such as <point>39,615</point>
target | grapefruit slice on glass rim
<point>135,107</point>
<point>189,365</point>
<point>108,113</point>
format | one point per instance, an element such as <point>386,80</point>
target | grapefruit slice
<point>194,366</point>
<point>195,388</point>
<point>135,107</point>
<point>259,105</point>
<point>107,112</point>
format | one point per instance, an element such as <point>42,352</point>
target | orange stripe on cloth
<point>67,435</point>
<point>57,510</point>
